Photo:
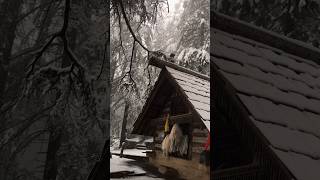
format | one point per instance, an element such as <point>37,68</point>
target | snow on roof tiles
<point>282,94</point>
<point>197,91</point>
<point>302,167</point>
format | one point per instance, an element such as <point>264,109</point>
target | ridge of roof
<point>247,30</point>
<point>158,62</point>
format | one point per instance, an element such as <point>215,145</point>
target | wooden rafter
<point>181,119</point>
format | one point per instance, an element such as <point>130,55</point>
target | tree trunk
<point>124,124</point>
<point>51,166</point>
<point>9,13</point>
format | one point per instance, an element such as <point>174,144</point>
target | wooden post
<point>124,124</point>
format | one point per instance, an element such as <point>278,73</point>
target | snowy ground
<point>132,152</point>
<point>137,168</point>
<point>123,164</point>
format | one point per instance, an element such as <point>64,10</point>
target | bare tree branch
<point>129,72</point>
<point>129,27</point>
<point>120,35</point>
<point>33,10</point>
<point>104,59</point>
<point>63,36</point>
<point>39,54</point>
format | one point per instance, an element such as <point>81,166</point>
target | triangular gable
<point>194,89</point>
<point>281,93</point>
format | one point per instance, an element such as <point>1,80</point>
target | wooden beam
<point>197,149</point>
<point>200,131</point>
<point>201,140</point>
<point>180,119</point>
<point>157,62</point>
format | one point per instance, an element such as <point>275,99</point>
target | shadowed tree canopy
<point>53,66</point>
<point>297,19</point>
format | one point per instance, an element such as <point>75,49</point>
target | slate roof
<point>282,94</point>
<point>197,90</point>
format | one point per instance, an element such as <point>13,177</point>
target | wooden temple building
<point>185,94</point>
<point>265,104</point>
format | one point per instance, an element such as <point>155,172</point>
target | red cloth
<point>207,145</point>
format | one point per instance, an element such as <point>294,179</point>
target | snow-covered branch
<point>61,34</point>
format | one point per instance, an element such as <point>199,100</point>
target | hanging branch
<point>61,34</point>
<point>25,15</point>
<point>104,58</point>
<point>131,60</point>
<point>39,54</point>
<point>128,73</point>
<point>120,34</point>
<point>129,27</point>
<point>135,40</point>
<point>149,77</point>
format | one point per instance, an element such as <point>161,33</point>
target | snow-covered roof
<point>197,90</point>
<point>282,94</point>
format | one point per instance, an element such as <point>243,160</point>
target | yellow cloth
<point>166,125</point>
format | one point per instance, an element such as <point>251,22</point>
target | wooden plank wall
<point>199,138</point>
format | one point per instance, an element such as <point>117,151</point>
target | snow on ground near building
<point>118,164</point>
<point>282,94</point>
<point>123,164</point>
<point>131,152</point>
<point>140,178</point>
